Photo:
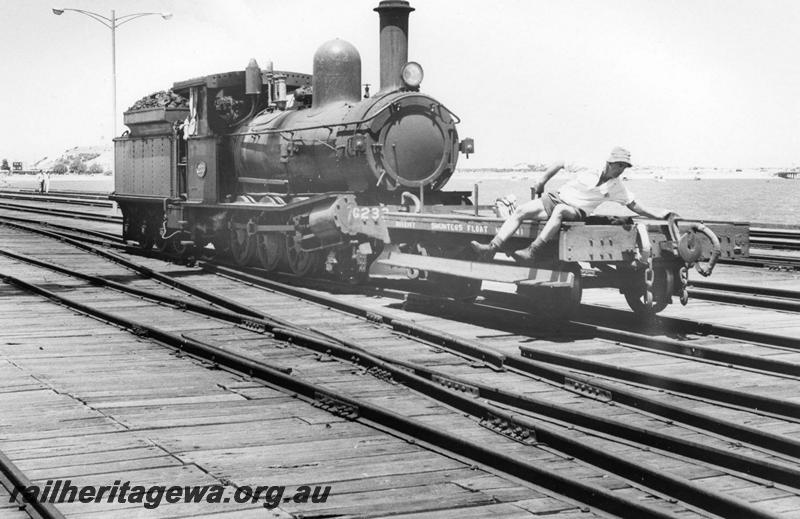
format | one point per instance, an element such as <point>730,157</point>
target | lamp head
<point>166,16</point>
<point>58,11</point>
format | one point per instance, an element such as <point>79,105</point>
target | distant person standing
<point>40,180</point>
<point>46,184</point>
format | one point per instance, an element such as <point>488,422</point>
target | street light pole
<point>112,23</point>
<point>113,74</point>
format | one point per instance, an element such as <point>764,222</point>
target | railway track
<point>145,423</point>
<point>68,198</point>
<point>577,390</point>
<point>97,216</point>
<point>749,295</point>
<point>770,238</point>
<point>772,248</point>
<point>290,367</point>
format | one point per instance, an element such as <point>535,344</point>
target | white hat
<point>620,155</point>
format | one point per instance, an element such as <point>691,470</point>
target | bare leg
<point>561,213</point>
<point>531,210</point>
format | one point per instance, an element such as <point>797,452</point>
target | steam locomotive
<point>303,173</point>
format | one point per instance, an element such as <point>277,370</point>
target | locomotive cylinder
<point>393,41</point>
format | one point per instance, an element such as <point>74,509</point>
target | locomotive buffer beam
<point>522,276</point>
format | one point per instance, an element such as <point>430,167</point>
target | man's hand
<point>641,210</point>
<point>537,188</point>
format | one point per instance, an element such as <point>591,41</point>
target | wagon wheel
<point>637,297</point>
<point>300,262</point>
<point>270,249</point>
<point>452,286</point>
<point>555,304</point>
<point>242,245</point>
<point>173,245</point>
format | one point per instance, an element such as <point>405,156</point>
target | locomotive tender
<point>300,172</point>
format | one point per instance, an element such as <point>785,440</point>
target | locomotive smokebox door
<point>202,182</point>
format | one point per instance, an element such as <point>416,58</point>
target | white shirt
<point>584,193</point>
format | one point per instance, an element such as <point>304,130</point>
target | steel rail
<point>352,408</point>
<point>141,269</point>
<point>747,289</point>
<point>757,301</point>
<point>687,349</point>
<point>761,261</point>
<point>355,352</point>
<point>103,237</point>
<point>58,193</point>
<point>688,326</point>
<point>466,347</point>
<point>784,474</point>
<point>58,199</point>
<point>498,360</point>
<point>15,481</point>
<point>80,215</point>
<point>750,295</point>
<point>731,397</point>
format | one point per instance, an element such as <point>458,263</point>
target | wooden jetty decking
<point>84,401</point>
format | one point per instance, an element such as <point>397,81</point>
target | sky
<point>707,83</point>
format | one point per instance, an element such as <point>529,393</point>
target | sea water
<point>774,201</point>
<point>768,200</point>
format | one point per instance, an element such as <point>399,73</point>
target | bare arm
<point>538,186</point>
<point>647,212</point>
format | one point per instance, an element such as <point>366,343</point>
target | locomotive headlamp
<point>467,146</point>
<point>412,74</point>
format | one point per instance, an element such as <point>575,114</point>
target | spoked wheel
<point>271,249</point>
<point>649,303</point>
<point>556,303</point>
<point>452,286</point>
<point>173,245</point>
<point>243,246</point>
<point>300,262</point>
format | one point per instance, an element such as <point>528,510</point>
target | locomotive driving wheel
<point>242,244</point>
<point>300,262</point>
<point>271,249</point>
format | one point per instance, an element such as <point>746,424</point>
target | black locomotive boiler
<point>280,181</point>
<point>303,173</point>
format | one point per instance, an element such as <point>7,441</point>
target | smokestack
<point>394,40</point>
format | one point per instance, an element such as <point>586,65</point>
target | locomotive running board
<point>475,270</point>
